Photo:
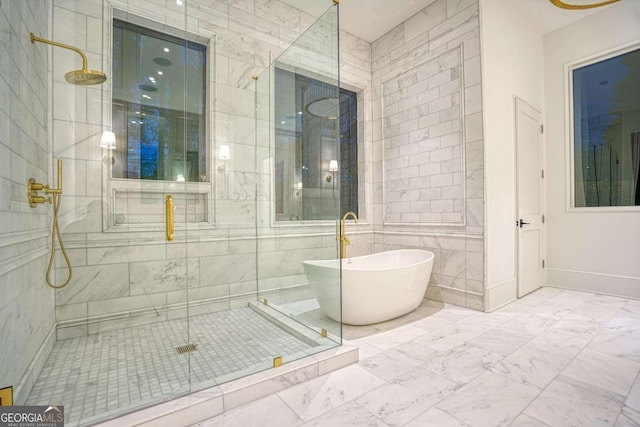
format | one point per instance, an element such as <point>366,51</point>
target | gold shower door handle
<point>168,203</point>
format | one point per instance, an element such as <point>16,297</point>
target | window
<point>314,172</point>
<point>158,105</point>
<point>606,129</point>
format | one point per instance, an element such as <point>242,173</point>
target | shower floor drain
<point>186,348</point>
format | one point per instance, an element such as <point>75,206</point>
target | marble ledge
<point>216,400</point>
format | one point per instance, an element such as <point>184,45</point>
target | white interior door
<point>530,198</point>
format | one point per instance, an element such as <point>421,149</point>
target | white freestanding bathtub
<point>375,287</point>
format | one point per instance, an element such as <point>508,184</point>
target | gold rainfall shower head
<point>562,5</point>
<point>77,77</point>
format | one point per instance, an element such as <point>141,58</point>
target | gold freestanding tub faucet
<point>344,240</point>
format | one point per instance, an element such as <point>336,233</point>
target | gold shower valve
<point>33,188</point>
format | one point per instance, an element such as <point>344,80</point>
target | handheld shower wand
<point>55,195</point>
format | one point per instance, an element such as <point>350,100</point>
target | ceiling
<point>370,19</point>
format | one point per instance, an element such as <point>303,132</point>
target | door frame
<point>543,193</point>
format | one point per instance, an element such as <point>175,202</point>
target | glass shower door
<point>298,152</point>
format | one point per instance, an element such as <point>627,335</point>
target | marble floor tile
<point>543,294</point>
<point>527,421</point>
<point>557,311</point>
<point>630,309</point>
<point>365,350</point>
<point>517,307</point>
<point>570,298</point>
<point>596,312</point>
<point>449,337</point>
<point>633,399</point>
<point>430,324</point>
<point>393,338</point>
<point>578,325</point>
<point>319,395</point>
<point>350,414</point>
<point>463,363</point>
<point>484,321</point>
<point>608,299</point>
<point>560,342</point>
<point>530,366</point>
<point>502,340</point>
<point>603,370</point>
<point>628,418</point>
<point>406,397</point>
<point>416,351</point>
<point>567,402</point>
<point>619,338</point>
<point>434,417</point>
<point>270,408</point>
<point>390,364</point>
<point>530,323</point>
<point>476,404</point>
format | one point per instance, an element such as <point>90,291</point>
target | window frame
<point>570,126</point>
<point>111,186</point>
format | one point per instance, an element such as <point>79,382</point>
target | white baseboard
<point>500,295</point>
<point>609,284</point>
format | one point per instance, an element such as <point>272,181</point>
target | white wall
<point>591,251</point>
<point>512,65</point>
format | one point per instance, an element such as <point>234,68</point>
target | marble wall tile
<point>94,283</point>
<point>225,269</point>
<point>163,276</point>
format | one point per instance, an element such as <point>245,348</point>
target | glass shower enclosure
<point>188,240</point>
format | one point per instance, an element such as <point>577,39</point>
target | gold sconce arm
<point>169,217</point>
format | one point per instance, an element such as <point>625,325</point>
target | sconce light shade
<point>224,152</point>
<point>299,185</point>
<point>108,140</point>
<point>333,165</point>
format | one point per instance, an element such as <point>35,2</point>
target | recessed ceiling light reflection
<point>179,2</point>
<point>300,113</point>
<point>282,122</point>
<point>166,49</point>
<point>160,73</point>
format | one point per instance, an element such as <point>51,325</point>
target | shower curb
<point>208,403</point>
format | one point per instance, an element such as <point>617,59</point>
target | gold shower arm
<point>562,5</point>
<point>35,38</point>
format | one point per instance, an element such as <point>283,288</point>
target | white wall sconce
<point>224,154</point>
<point>108,142</point>
<point>298,189</point>
<point>333,168</point>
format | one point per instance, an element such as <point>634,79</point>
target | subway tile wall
<point>27,317</point>
<point>427,137</point>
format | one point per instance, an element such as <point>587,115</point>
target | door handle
<point>169,217</point>
<point>521,222</point>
